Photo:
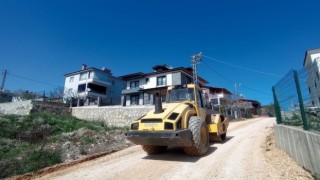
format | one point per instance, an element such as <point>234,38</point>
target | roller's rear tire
<point>223,136</point>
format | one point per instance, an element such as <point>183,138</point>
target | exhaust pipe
<point>158,105</point>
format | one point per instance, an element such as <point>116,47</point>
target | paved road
<point>240,157</point>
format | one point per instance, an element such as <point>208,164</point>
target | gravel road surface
<point>242,156</point>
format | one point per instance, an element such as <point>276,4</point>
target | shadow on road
<point>177,154</point>
<point>228,138</point>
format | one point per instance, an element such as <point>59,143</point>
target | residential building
<point>218,99</point>
<point>141,88</point>
<point>312,65</point>
<point>249,106</point>
<point>92,86</point>
<point>6,96</point>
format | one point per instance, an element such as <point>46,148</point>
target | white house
<point>92,86</point>
<point>142,87</point>
<point>312,65</point>
<point>217,97</point>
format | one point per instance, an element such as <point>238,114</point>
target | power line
<point>32,80</point>
<point>230,81</point>
<point>263,98</point>
<point>242,67</point>
<point>223,77</point>
<point>4,73</point>
<point>258,91</point>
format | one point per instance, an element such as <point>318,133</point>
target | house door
<point>134,99</point>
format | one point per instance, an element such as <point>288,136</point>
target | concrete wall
<point>19,108</point>
<point>111,115</point>
<point>302,146</point>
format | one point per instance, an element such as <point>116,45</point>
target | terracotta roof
<point>249,100</point>
<point>106,71</point>
<point>218,89</point>
<point>163,67</point>
<point>132,76</point>
<point>183,69</point>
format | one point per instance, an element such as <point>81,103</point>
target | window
<point>81,88</point>
<point>175,95</point>
<point>200,103</point>
<point>317,75</point>
<point>90,75</point>
<point>315,83</point>
<point>147,80</point>
<point>113,82</point>
<point>188,80</point>
<point>83,76</point>
<point>134,99</point>
<point>134,84</point>
<point>215,101</point>
<point>71,79</point>
<point>162,80</point>
<point>309,90</point>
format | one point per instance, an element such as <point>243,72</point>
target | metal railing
<point>297,98</point>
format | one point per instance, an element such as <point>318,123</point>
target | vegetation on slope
<point>30,143</point>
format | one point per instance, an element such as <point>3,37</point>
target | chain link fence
<point>297,98</point>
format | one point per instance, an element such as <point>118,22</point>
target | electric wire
<point>241,67</point>
<point>32,80</point>
<point>246,87</point>
<point>223,77</point>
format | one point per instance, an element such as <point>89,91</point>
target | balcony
<point>130,91</point>
<point>96,80</point>
<point>92,89</point>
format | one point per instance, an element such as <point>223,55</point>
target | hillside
<point>30,143</point>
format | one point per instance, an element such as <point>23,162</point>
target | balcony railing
<point>128,91</point>
<point>92,91</point>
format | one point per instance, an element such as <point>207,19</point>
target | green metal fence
<point>297,98</point>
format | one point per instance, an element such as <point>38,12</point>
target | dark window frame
<point>134,99</point>
<point>161,80</point>
<point>134,84</point>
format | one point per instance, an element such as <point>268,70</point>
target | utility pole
<point>195,59</point>
<point>236,99</point>
<point>4,75</point>
<point>236,92</point>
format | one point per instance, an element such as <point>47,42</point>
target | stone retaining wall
<point>111,115</point>
<point>19,108</point>
<point>50,108</point>
<point>24,108</point>
<point>302,146</point>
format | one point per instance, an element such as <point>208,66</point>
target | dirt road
<point>240,157</point>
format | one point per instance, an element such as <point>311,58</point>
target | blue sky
<point>42,40</point>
